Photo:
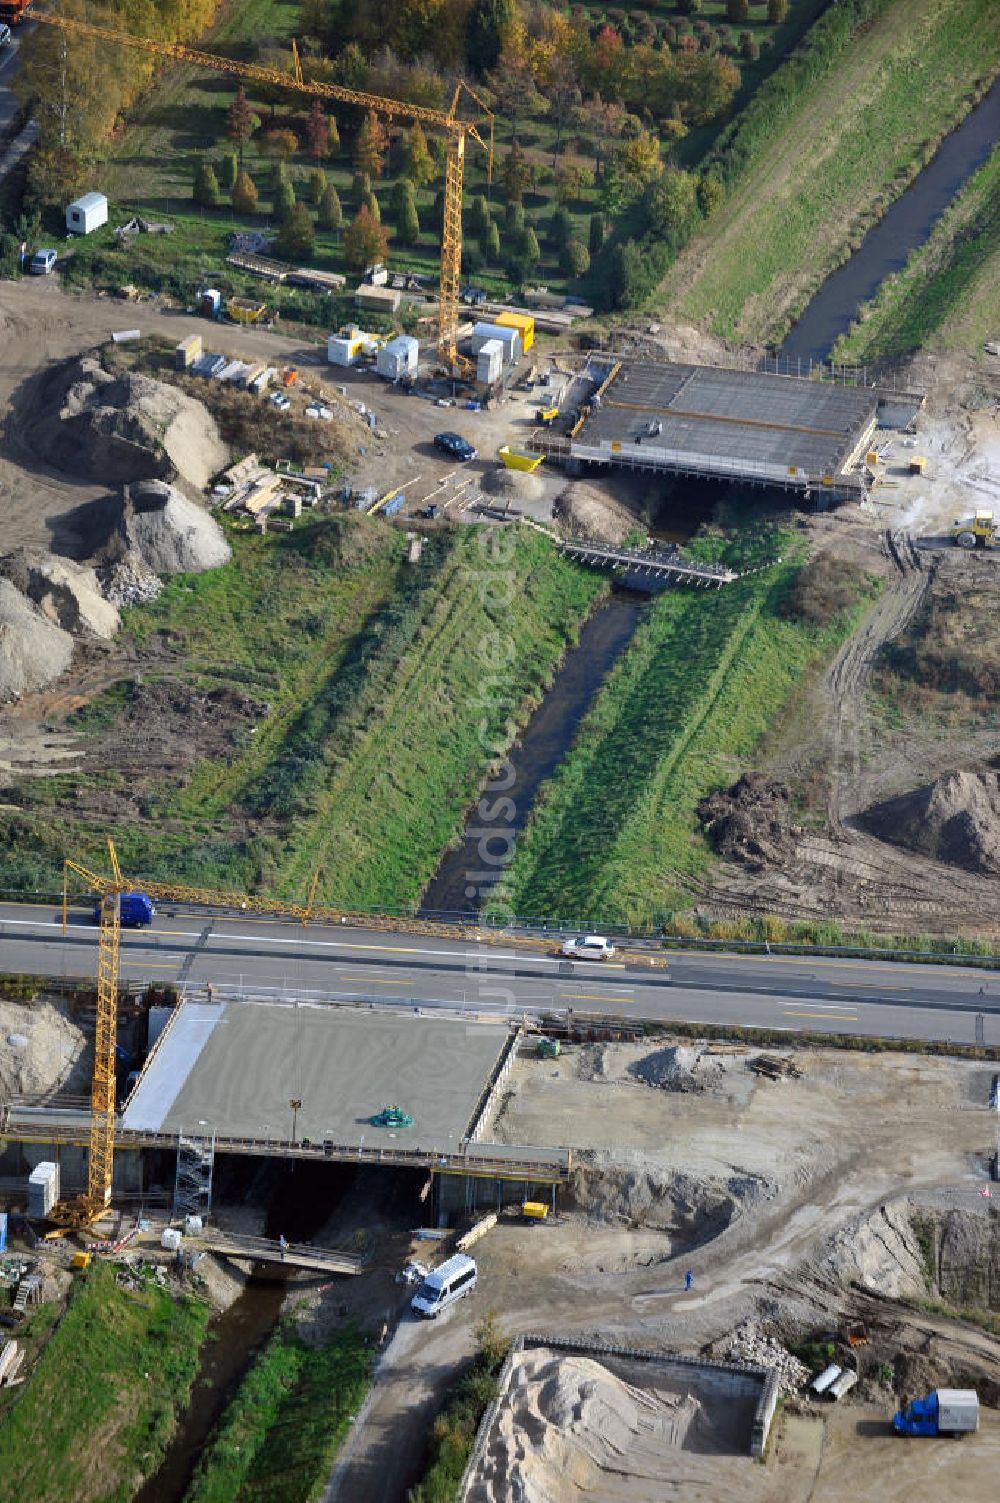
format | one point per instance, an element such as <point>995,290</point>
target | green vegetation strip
<point>454,1431</point>
<point>616,830</point>
<point>379,692</point>
<point>830,140</point>
<point>98,1411</point>
<point>278,1437</point>
<point>947,292</point>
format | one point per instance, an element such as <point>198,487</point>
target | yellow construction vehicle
<point>456,130</point>
<point>977,531</point>
<point>546,415</point>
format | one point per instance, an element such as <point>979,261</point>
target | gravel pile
<point>118,429</point>
<point>67,594</point>
<point>954,819</point>
<point>682,1067</point>
<point>512,485</point>
<point>750,1343</point>
<point>153,529</point>
<point>33,651</point>
<point>40,1049</point>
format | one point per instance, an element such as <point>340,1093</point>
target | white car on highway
<point>588,947</point>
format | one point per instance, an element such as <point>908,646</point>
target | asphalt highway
<point>266,959</point>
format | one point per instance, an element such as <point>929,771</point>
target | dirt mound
<point>33,651</point>
<point>693,1210</point>
<point>880,1253</point>
<point>955,819</point>
<point>586,510</point>
<point>685,1067</point>
<point>512,485</point>
<point>67,594</point>
<point>40,1049</point>
<point>750,822</point>
<point>153,526</point>
<point>118,429</point>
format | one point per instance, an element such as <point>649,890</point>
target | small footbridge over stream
<point>656,566</point>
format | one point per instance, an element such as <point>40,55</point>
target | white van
<point>444,1285</point>
<point>589,947</point>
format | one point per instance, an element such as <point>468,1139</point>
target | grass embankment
<point>828,142</point>
<point>379,691</point>
<point>946,295</point>
<point>682,712</point>
<point>99,1409</point>
<point>277,1439</point>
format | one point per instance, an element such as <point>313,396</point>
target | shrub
<point>280,144</point>
<point>749,47</point>
<point>206,186</point>
<point>296,237</point>
<point>513,218</point>
<point>528,250</point>
<point>738,10</point>
<point>489,243</point>
<point>479,216</point>
<point>560,228</point>
<point>331,216</point>
<point>317,186</point>
<point>598,232</point>
<point>777,10</point>
<point>229,171</point>
<point>284,200</point>
<point>575,258</point>
<point>821,590</point>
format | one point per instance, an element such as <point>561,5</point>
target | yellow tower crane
<point>455,128</point>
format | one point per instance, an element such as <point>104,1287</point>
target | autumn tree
<point>418,164</point>
<point>280,145</point>
<point>512,85</point>
<point>562,90</point>
<point>737,10</point>
<point>296,237</point>
<point>331,216</point>
<point>488,24</point>
<point>318,132</point>
<point>710,196</point>
<point>370,146</point>
<point>371,203</point>
<point>241,122</point>
<point>245,195</point>
<point>365,240</point>
<point>777,10</point>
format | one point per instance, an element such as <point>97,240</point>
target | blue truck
<point>137,910</point>
<point>945,1411</point>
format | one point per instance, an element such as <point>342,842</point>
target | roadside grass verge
<point>819,163</point>
<point>97,1413</point>
<point>277,1439</point>
<point>366,699</point>
<point>616,831</point>
<point>946,294</point>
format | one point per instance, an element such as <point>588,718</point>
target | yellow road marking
<point>151,965</point>
<point>376,980</point>
<point>849,1017</point>
<point>878,986</point>
<point>597,996</point>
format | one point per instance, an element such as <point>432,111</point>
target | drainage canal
<point>906,225</point>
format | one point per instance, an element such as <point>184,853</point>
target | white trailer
<point>958,1410</point>
<point>87,213</point>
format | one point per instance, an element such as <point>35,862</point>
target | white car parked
<point>588,947</point>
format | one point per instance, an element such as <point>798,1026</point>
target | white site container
<point>341,350</point>
<point>398,358</point>
<point>193,1223</point>
<point>171,1239</point>
<point>509,338</point>
<point>958,1410</point>
<point>87,213</point>
<point>489,362</point>
<point>43,1188</point>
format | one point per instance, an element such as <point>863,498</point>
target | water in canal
<point>906,225</point>
<point>470,869</point>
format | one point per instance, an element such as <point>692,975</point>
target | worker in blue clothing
<point>688,1279</point>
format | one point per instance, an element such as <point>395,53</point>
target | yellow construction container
<point>81,1259</point>
<point>515,460</point>
<point>534,1210</point>
<point>918,464</point>
<point>244,310</point>
<point>523,323</point>
<point>871,457</point>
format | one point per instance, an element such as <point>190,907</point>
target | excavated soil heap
<point>155,526</point>
<point>955,819</point>
<point>67,594</point>
<point>750,821</point>
<point>40,1050</point>
<point>33,651</point>
<point>118,429</point>
<point>586,510</point>
<point>512,485</point>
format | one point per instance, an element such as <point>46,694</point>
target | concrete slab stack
<point>43,1188</point>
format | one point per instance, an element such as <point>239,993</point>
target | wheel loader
<point>979,531</point>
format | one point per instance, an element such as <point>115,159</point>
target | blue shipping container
<point>3,1231</point>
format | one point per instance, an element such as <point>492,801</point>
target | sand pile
<point>152,529</point>
<point>569,1427</point>
<point>118,429</point>
<point>879,1253</point>
<point>67,594</point>
<point>512,486</point>
<point>750,822</point>
<point>643,1194</point>
<point>586,510</point>
<point>33,651</point>
<point>955,819</point>
<point>40,1050</point>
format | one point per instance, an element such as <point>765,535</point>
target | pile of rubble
<point>750,1343</point>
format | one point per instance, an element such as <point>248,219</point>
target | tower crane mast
<point>455,128</point>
